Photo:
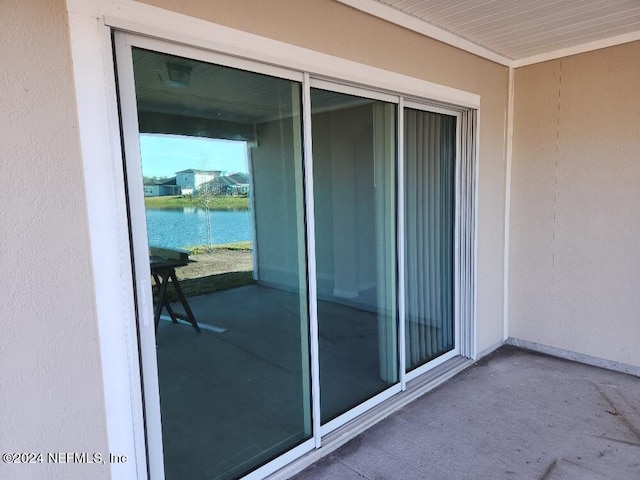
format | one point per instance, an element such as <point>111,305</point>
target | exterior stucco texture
<point>51,395</point>
<point>574,262</point>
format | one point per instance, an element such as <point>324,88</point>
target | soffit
<point>212,91</point>
<point>520,29</point>
<point>222,93</point>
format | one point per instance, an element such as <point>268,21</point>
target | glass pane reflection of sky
<point>164,155</point>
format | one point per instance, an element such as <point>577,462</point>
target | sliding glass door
<point>296,249</point>
<point>354,155</point>
<point>218,168</point>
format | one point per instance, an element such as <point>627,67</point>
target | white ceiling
<point>517,29</point>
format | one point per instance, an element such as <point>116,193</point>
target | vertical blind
<point>384,154</point>
<point>429,222</point>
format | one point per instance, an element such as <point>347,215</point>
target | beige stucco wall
<point>575,227</point>
<point>51,396</point>
<point>333,28</point>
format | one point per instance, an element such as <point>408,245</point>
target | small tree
<point>205,198</point>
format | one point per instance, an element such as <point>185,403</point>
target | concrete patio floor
<point>513,415</point>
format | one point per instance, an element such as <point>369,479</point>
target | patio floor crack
<point>352,469</point>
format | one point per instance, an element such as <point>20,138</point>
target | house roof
<point>170,181</point>
<point>160,181</point>
<point>234,179</point>
<point>238,178</point>
<point>515,32</point>
<point>193,170</point>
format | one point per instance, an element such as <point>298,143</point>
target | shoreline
<point>210,203</point>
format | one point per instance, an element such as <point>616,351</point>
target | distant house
<point>158,188</point>
<point>191,180</point>
<point>235,184</point>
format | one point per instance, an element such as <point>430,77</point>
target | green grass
<point>198,249</point>
<point>215,203</point>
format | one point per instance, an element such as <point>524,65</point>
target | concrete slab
<point>514,415</point>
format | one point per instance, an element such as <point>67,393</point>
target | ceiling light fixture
<point>176,75</point>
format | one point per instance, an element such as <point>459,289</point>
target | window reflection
<point>354,149</point>
<point>222,167</point>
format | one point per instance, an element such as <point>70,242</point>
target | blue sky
<point>164,155</point>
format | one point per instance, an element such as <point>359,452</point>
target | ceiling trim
<point>405,20</point>
<point>583,48</point>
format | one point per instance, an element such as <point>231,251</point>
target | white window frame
<point>91,23</point>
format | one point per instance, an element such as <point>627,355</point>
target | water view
<point>187,227</point>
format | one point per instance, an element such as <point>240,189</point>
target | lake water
<point>185,227</point>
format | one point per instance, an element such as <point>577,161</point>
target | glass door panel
<point>354,152</point>
<point>221,155</point>
<point>429,149</point>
